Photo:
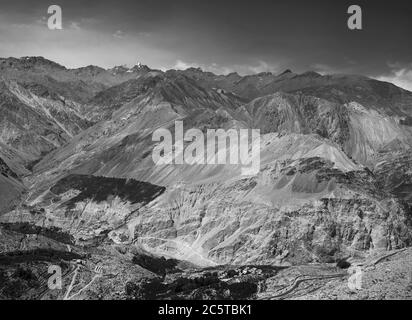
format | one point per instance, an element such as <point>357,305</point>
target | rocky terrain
<point>79,188</point>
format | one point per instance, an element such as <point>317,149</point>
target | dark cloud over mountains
<point>220,36</point>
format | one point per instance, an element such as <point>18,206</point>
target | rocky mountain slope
<point>333,179</point>
<point>336,88</point>
<point>11,187</point>
<point>44,103</point>
<point>33,125</point>
<point>79,85</point>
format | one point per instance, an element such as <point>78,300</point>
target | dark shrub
<point>14,289</point>
<point>28,276</point>
<point>25,274</point>
<point>242,290</point>
<point>146,290</point>
<point>343,264</point>
<point>231,273</point>
<point>160,266</point>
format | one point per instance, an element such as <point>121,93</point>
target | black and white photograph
<point>187,150</point>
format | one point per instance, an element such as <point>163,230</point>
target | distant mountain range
<point>335,178</point>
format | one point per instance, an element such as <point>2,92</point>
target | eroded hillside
<point>78,173</point>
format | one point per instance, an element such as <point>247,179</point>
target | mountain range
<point>76,170</point>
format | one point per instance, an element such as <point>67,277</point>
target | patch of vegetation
<point>27,275</point>
<point>3,276</point>
<point>14,289</point>
<point>16,257</point>
<point>146,290</point>
<point>18,283</point>
<point>242,290</point>
<point>205,286</point>
<point>99,189</point>
<point>406,122</point>
<point>160,266</point>
<point>343,264</point>
<point>52,232</point>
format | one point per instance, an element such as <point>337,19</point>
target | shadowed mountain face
<point>11,187</point>
<point>99,189</point>
<point>33,126</point>
<point>361,132</point>
<point>336,88</point>
<point>333,181</point>
<point>43,104</point>
<point>78,85</point>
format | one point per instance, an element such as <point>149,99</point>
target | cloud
<point>92,45</point>
<point>214,67</point>
<point>399,76</point>
<point>182,65</point>
<point>325,69</point>
<point>260,66</point>
<point>119,34</point>
<point>74,25</point>
<point>42,21</point>
<point>81,23</point>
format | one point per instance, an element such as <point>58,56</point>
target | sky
<point>220,36</point>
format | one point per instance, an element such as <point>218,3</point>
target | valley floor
<point>120,272</point>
